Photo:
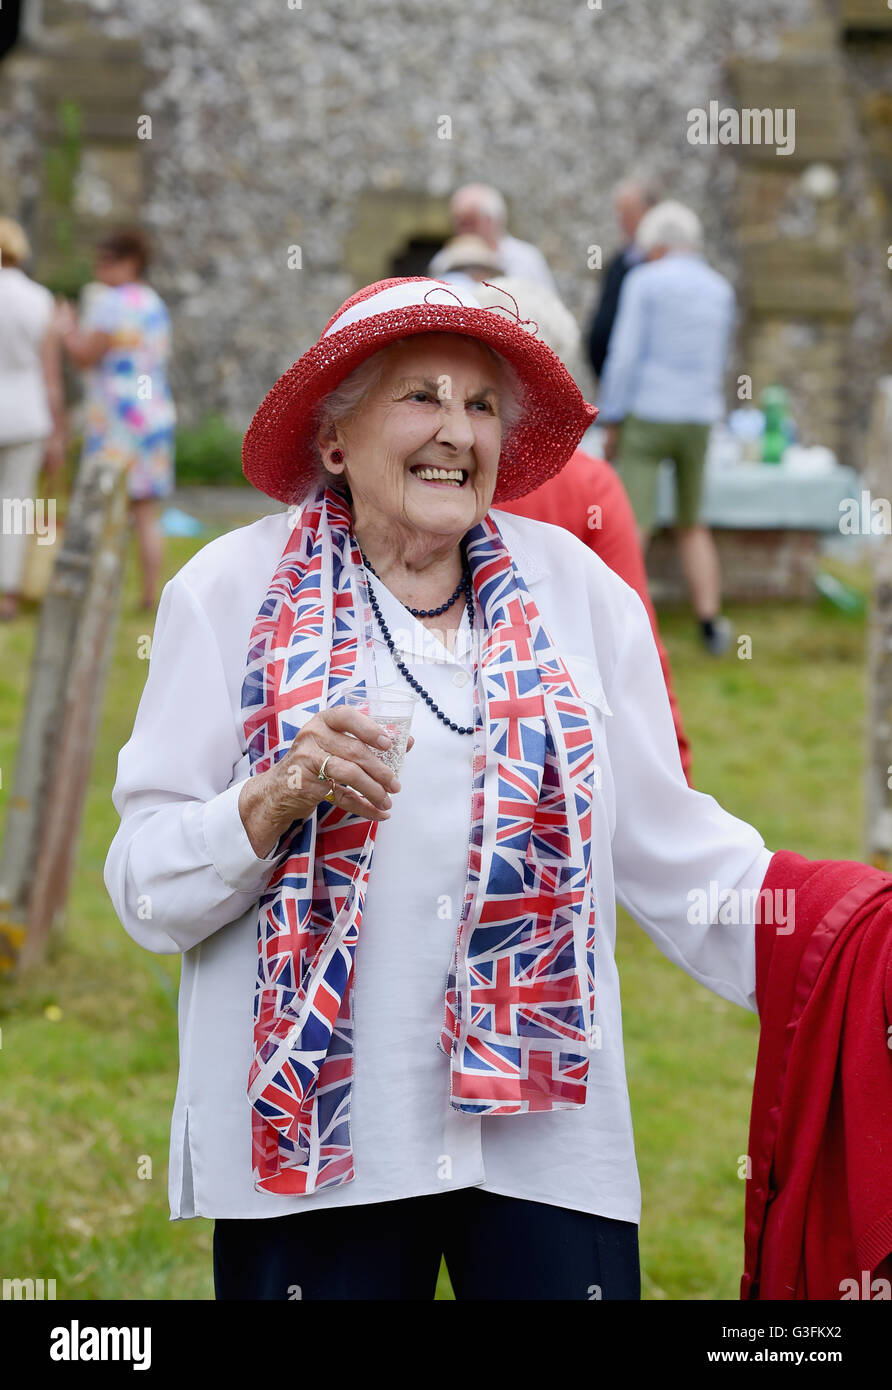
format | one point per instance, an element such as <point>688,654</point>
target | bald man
<point>477,209</point>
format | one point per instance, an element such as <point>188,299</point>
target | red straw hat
<point>279,454</point>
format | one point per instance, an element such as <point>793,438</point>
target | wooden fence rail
<point>75,637</point>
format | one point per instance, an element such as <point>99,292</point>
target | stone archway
<point>393,230</point>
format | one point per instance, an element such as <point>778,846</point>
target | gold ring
<point>321,773</point>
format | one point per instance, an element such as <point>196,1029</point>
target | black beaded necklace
<point>425,613</point>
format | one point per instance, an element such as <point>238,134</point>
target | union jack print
<point>519,995</point>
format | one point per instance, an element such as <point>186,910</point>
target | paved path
<point>224,506</point>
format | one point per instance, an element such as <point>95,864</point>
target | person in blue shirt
<point>663,388</point>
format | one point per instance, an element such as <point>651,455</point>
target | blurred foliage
<point>210,453</point>
<point>67,269</point>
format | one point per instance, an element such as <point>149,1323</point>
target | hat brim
<point>279,450</point>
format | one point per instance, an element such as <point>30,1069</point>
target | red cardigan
<point>569,500</point>
<point>819,1200</point>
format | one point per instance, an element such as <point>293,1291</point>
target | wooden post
<point>75,637</point>
<point>878,780</point>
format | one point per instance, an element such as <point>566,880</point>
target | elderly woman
<point>400,1026</point>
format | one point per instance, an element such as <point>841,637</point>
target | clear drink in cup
<point>392,708</point>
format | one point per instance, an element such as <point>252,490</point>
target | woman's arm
<point>182,864</point>
<point>85,346</point>
<point>686,869</point>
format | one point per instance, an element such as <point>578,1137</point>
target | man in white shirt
<point>477,209</point>
<point>662,386</point>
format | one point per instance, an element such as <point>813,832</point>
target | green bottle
<point>773,401</point>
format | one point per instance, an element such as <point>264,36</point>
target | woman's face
<point>115,270</point>
<point>436,407</point>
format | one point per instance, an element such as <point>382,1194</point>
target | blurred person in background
<point>123,341</point>
<point>479,210</point>
<point>467,261</point>
<point>32,414</point>
<point>631,200</point>
<point>587,497</point>
<point>663,384</point>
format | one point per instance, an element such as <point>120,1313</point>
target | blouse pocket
<point>587,679</point>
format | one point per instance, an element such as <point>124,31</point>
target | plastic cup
<point>392,708</point>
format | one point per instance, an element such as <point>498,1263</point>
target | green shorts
<point>642,446</point>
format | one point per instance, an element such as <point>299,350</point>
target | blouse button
<point>460,678</point>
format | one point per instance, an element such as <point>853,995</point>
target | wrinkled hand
<point>291,790</point>
<point>362,780</point>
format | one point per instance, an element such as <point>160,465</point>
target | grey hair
<point>346,399</point>
<point>648,190</point>
<point>670,224</point>
<point>485,198</point>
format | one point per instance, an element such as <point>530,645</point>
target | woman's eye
<point>420,395</point>
<point>487,406</point>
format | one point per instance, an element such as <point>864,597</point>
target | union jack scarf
<point>519,994</point>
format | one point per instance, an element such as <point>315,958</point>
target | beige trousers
<point>19,470</point>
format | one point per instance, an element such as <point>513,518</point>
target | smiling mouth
<point>439,477</point>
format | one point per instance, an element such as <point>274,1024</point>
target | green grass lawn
<point>89,1043</point>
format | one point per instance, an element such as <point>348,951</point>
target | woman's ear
<point>331,447</point>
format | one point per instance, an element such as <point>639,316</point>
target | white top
<point>184,878</point>
<point>26,310</point>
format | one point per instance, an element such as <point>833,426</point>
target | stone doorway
<point>394,232</point>
<point>415,257</point>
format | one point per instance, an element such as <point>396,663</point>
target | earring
<point>337,456</point>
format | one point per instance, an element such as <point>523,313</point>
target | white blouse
<point>26,311</point>
<point>184,878</point>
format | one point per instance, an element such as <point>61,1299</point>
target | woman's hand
<point>54,453</point>
<point>292,789</point>
<point>86,347</point>
<point>64,317</point>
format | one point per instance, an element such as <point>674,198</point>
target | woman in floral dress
<point>123,341</point>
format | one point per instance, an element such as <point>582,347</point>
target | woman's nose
<point>455,427</point>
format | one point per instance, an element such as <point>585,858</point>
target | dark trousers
<point>495,1248</point>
